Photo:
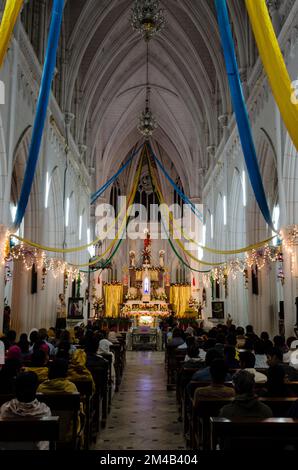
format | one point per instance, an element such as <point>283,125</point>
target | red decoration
<point>193,281</point>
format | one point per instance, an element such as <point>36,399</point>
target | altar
<point>146,300</point>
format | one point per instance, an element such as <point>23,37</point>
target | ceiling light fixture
<point>147,121</point>
<point>147,18</point>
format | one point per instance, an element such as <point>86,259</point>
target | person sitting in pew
<point>203,375</point>
<point>245,403</point>
<point>247,362</point>
<point>230,357</point>
<point>292,343</point>
<point>193,353</point>
<point>276,386</point>
<point>217,389</point>
<point>8,373</point>
<point>25,405</point>
<point>59,384</point>
<point>177,337</point>
<point>94,359</point>
<point>275,357</point>
<point>57,381</point>
<point>38,365</point>
<point>77,370</point>
<point>267,343</point>
<point>261,358</point>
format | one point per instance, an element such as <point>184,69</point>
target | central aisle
<point>144,414</point>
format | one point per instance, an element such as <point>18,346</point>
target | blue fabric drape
<point>101,190</point>
<point>240,110</point>
<point>194,209</point>
<point>41,110</point>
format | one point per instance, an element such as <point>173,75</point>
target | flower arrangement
<point>130,296</point>
<point>144,309</point>
<point>161,296</point>
<point>98,304</point>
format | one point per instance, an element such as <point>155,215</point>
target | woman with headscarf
<point>77,370</point>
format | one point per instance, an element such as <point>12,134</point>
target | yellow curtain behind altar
<point>113,296</point>
<point>179,298</point>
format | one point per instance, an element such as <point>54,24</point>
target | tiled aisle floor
<point>144,414</point>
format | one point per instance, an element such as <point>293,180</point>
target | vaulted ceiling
<point>106,76</point>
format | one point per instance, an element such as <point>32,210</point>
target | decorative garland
<point>240,110</point>
<point>9,19</point>
<point>41,111</point>
<point>274,64</point>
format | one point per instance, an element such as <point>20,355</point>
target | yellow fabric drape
<point>274,64</point>
<point>10,16</point>
<point>179,298</point>
<point>113,296</point>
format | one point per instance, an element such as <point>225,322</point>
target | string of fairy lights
<point>255,259</point>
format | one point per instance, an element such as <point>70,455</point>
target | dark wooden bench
<point>100,376</point>
<point>252,433</point>
<point>174,361</point>
<point>107,404</point>
<point>205,409</point>
<point>30,430</point>
<point>85,390</point>
<point>67,407</point>
<point>119,353</point>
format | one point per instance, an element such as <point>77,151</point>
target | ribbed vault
<point>106,77</point>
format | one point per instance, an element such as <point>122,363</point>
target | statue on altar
<point>147,249</point>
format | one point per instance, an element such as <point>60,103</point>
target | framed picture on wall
<point>218,310</point>
<point>75,308</point>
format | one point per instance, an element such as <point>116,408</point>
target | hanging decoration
<point>281,274</point>
<point>103,188</point>
<point>188,202</point>
<point>9,19</point>
<point>147,18</point>
<point>30,257</point>
<point>122,213</point>
<point>240,110</point>
<point>41,111</point>
<point>245,275</point>
<point>44,273</point>
<point>274,64</point>
<point>147,121</point>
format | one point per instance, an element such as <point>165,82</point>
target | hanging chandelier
<point>147,121</point>
<point>147,18</point>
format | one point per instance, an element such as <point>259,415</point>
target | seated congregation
<point>64,381</point>
<point>231,383</point>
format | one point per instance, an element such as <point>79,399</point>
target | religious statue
<point>132,257</point>
<point>61,313</point>
<point>147,249</point>
<point>161,258</point>
<point>146,285</point>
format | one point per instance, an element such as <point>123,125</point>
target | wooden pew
<point>100,376</point>
<point>175,358</point>
<point>119,352</point>
<point>201,414</point>
<point>67,407</point>
<point>193,385</point>
<point>30,430</point>
<point>252,433</point>
<point>107,403</point>
<point>85,390</point>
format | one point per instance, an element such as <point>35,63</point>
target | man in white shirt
<point>247,362</point>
